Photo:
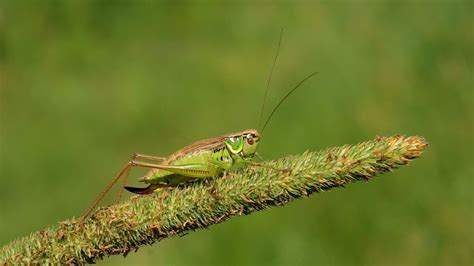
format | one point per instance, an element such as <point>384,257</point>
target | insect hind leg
<point>122,186</point>
<point>138,156</point>
<point>94,204</point>
<point>135,156</point>
<point>125,170</point>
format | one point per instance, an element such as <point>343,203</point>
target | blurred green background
<point>84,84</point>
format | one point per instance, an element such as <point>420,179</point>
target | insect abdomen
<point>201,157</point>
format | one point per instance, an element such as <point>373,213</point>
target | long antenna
<point>284,98</point>
<point>270,77</point>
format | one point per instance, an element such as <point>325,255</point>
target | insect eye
<point>250,140</point>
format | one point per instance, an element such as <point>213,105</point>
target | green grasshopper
<point>203,159</point>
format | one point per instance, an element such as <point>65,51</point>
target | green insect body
<point>207,158</point>
<point>203,159</point>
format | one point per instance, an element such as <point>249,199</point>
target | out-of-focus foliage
<point>84,84</point>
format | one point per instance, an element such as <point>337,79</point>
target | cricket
<point>208,158</point>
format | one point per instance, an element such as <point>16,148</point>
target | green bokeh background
<point>84,84</point>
